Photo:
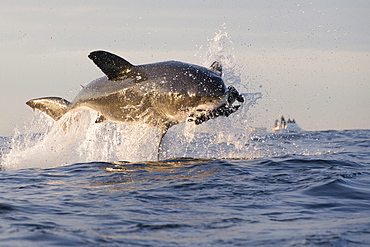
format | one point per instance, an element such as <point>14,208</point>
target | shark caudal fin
<point>55,107</point>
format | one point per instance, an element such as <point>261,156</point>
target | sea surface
<point>309,188</point>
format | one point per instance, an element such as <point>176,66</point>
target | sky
<point>309,59</point>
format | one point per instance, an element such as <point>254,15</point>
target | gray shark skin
<point>159,94</point>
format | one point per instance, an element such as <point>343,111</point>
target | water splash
<point>76,138</point>
<point>220,137</point>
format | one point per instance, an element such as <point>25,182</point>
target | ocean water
<point>77,183</point>
<point>317,195</point>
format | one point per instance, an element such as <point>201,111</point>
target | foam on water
<point>43,142</point>
<point>76,138</point>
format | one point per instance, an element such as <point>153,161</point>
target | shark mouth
<point>232,95</point>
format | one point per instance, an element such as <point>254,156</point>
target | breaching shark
<point>159,94</point>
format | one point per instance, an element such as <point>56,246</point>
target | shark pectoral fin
<point>100,119</point>
<point>163,132</point>
<point>216,67</point>
<point>54,107</point>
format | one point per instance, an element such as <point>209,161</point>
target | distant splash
<point>44,143</point>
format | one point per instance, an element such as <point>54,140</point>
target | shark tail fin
<point>55,107</point>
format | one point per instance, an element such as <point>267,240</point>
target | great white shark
<point>159,94</point>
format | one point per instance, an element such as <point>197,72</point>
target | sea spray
<point>221,137</point>
<point>76,138</point>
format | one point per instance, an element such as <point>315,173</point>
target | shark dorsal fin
<point>216,67</point>
<point>111,65</point>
